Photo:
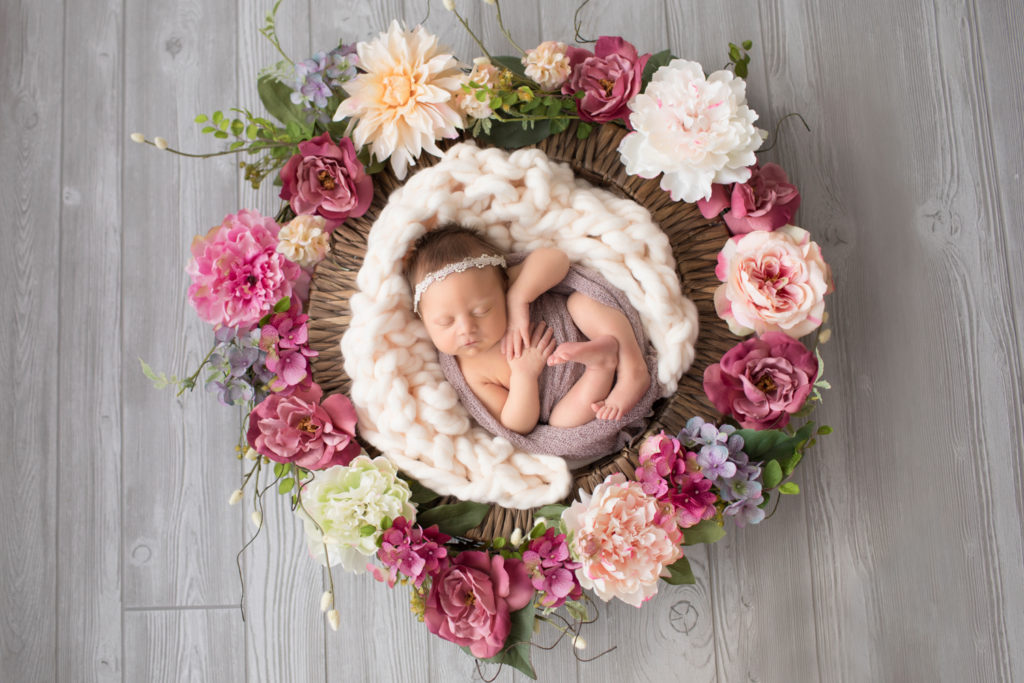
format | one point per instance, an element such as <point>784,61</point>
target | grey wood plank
<point>180,537</point>
<point>89,433</point>
<point>30,193</point>
<point>183,645</point>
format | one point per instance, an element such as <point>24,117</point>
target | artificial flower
<point>695,130</point>
<point>344,507</point>
<point>470,601</point>
<point>237,273</point>
<point>404,101</point>
<point>483,74</point>
<point>762,381</point>
<point>718,449</point>
<point>772,281</point>
<point>672,476</point>
<point>548,64</point>
<point>623,540</point>
<point>609,77</point>
<point>327,179</point>
<point>552,570</point>
<point>412,551</point>
<point>765,201</point>
<point>317,80</point>
<point>284,339</point>
<point>304,240</point>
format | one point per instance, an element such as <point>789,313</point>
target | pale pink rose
<point>772,281</point>
<point>548,64</point>
<point>624,539</point>
<point>237,273</point>
<point>484,74</point>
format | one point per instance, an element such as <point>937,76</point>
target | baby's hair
<point>443,246</point>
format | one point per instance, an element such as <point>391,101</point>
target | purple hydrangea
<point>716,448</point>
<point>318,78</point>
<point>238,372</point>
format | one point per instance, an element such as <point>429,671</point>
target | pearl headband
<point>442,273</point>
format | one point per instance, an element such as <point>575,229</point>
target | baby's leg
<point>632,379</point>
<point>600,356</point>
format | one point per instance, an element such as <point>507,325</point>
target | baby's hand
<point>532,358</point>
<point>517,334</point>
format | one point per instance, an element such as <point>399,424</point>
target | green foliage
<point>283,305</point>
<point>789,488</point>
<point>516,652</point>
<point>455,519</point>
<point>577,610</point>
<point>771,475</point>
<point>420,493</point>
<point>159,380</point>
<point>657,60</point>
<point>679,573</point>
<point>551,512</point>
<point>516,134</point>
<point>776,445</point>
<point>705,531</point>
<point>285,485</point>
<point>739,58</point>
<point>513,64</point>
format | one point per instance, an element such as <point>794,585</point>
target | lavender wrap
<point>597,437</point>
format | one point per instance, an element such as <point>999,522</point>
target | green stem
<point>501,25</point>
<point>472,35</point>
<point>222,152</point>
<point>190,382</point>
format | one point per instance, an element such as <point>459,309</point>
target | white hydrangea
<point>349,503</point>
<point>696,130</point>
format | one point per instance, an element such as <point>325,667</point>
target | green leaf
<point>513,135</point>
<point>747,44</point>
<point>480,95</point>
<point>201,118</point>
<point>218,116</point>
<point>550,512</point>
<point>367,530</point>
<point>420,493</point>
<point>705,531</point>
<point>276,97</point>
<point>734,53</point>
<point>789,488</point>
<point>280,469</point>
<point>769,444</point>
<point>513,64</point>
<point>208,129</point>
<point>558,125</point>
<point>516,652</point>
<point>283,305</point>
<point>220,135</point>
<point>237,144</point>
<point>498,542</point>
<point>679,573</point>
<point>455,519</point>
<point>824,429</point>
<point>577,610</point>
<point>159,381</point>
<point>657,60</point>
<point>741,68</point>
<point>285,486</point>
<point>583,130</point>
<point>237,127</point>
<point>771,475</point>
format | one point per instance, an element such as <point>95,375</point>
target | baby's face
<point>465,313</point>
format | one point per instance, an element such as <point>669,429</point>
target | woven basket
<point>695,241</point>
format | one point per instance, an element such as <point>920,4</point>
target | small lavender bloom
<point>241,359</point>
<point>716,448</point>
<point>318,78</point>
<point>745,511</point>
<point>740,488</point>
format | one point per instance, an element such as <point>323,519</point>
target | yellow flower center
<point>607,85</point>
<point>326,181</point>
<point>306,425</point>
<point>397,90</point>
<point>766,384</point>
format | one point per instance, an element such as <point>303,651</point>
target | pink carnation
<point>623,540</point>
<point>237,273</point>
<point>673,477</point>
<point>300,428</point>
<point>764,202</point>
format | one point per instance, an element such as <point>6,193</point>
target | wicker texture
<point>695,241</point>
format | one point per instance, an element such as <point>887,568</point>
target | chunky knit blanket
<point>522,201</point>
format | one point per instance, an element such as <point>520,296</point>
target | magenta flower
<point>470,601</point>
<point>765,202</point>
<point>300,428</point>
<point>762,381</point>
<point>412,551</point>
<point>327,179</point>
<point>609,78</point>
<point>284,338</point>
<point>672,475</point>
<point>237,273</point>
<point>551,569</point>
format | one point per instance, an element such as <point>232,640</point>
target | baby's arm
<point>522,404</point>
<point>540,271</point>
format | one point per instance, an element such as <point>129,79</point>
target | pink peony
<point>623,540</point>
<point>470,602</point>
<point>672,476</point>
<point>327,179</point>
<point>765,202</point>
<point>772,281</point>
<point>300,428</point>
<point>552,570</point>
<point>412,551</point>
<point>609,78</point>
<point>762,381</point>
<point>237,273</point>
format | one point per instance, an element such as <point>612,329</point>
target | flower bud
<point>235,497</point>
<point>138,137</point>
<point>516,538</point>
<point>325,601</point>
<point>160,143</point>
<point>824,336</point>
<point>257,518</point>
<point>449,5</point>
<point>579,643</point>
<point>251,454</point>
<point>334,619</point>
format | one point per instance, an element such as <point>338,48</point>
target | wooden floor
<point>900,561</point>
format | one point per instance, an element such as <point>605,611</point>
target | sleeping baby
<point>477,306</point>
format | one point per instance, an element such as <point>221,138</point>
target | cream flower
<point>697,131</point>
<point>623,539</point>
<point>483,73</point>
<point>548,64</point>
<point>343,509</point>
<point>403,103</point>
<point>302,240</point>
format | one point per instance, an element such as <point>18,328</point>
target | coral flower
<point>405,100</point>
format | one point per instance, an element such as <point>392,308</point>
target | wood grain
<point>168,646</point>
<point>31,106</point>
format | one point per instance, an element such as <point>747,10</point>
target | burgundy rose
<point>470,601</point>
<point>326,178</point>
<point>765,202</point>
<point>300,428</point>
<point>609,78</point>
<point>762,381</point>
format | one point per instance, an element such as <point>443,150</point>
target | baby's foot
<point>598,353</point>
<point>632,380</point>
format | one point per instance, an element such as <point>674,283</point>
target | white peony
<point>302,240</point>
<point>697,131</point>
<point>349,504</point>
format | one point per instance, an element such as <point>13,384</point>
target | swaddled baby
<point>476,309</point>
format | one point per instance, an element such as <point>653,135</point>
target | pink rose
<point>326,178</point>
<point>300,428</point>
<point>237,273</point>
<point>470,601</point>
<point>772,281</point>
<point>762,381</point>
<point>609,78</point>
<point>765,202</point>
<point>623,538</point>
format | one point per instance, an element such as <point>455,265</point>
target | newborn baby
<point>478,311</point>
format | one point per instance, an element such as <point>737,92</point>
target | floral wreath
<point>338,118</point>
